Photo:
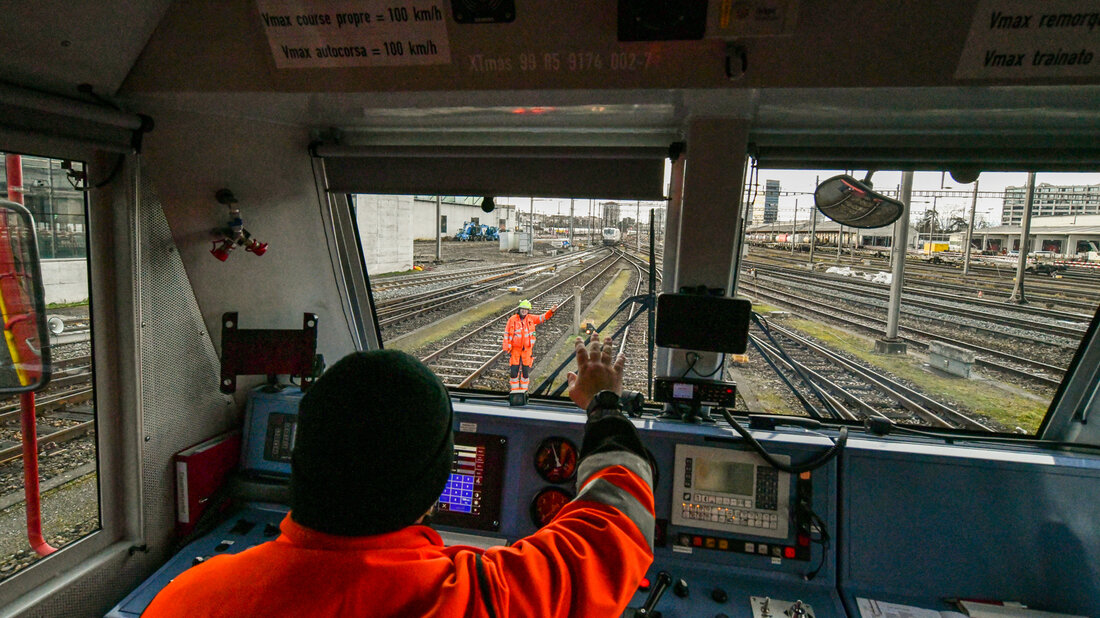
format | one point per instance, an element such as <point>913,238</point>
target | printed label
<point>333,34</point>
<point>1019,39</point>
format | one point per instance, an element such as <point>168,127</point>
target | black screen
<point>704,323</point>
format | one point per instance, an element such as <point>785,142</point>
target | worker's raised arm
<point>589,560</point>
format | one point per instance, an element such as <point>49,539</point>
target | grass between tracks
<point>1008,405</point>
<point>609,300</point>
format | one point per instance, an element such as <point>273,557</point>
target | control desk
<point>734,535</point>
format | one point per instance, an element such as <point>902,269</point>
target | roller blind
<point>27,114</point>
<point>634,173</point>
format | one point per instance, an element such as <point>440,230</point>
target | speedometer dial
<point>556,460</point>
<point>547,503</point>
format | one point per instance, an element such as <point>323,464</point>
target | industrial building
<point>1068,236</point>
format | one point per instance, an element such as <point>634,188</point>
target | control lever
<point>796,610</point>
<point>659,588</point>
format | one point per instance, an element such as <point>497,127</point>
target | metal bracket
<point>267,351</point>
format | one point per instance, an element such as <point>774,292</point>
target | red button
<point>644,584</point>
<point>788,552</point>
<point>697,541</point>
<point>803,540</point>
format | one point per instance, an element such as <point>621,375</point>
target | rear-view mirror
<point>25,359</point>
<point>853,203</point>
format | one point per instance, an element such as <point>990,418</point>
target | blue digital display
<point>462,494</point>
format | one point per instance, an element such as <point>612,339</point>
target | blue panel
<point>271,421</point>
<point>738,575</point>
<point>251,526</point>
<point>950,522</point>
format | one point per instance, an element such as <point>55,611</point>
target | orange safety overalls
<point>519,340</point>
<point>588,561</point>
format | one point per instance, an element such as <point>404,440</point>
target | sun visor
<point>634,173</point>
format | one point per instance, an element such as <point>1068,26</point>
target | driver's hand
<point>595,371</point>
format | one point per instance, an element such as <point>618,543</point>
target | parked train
<point>208,154</point>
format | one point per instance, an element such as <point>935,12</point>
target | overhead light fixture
<point>853,203</point>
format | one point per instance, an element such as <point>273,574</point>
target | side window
<point>51,189</point>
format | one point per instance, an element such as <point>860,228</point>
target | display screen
<point>724,476</point>
<point>471,498</point>
<point>682,391</point>
<point>282,429</point>
<point>465,485</point>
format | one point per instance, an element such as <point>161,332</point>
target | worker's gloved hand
<point>507,347</point>
<point>595,371</point>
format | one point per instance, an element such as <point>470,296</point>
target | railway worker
<point>372,455</point>
<point>519,340</point>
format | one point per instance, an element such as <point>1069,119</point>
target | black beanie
<point>374,445</point>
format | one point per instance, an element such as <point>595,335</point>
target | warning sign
<point>1018,39</point>
<point>326,34</point>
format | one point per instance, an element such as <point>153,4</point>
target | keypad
<point>726,510</point>
<point>767,488</point>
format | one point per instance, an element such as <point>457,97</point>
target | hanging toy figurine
<point>233,234</point>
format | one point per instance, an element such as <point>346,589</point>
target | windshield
<point>456,304</point>
<point>965,354</point>
<point>975,348</point>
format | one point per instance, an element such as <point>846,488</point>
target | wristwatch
<point>605,403</point>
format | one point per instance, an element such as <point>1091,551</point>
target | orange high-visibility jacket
<point>587,562</point>
<point>519,334</point>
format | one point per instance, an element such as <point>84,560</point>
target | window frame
<point>109,216</point>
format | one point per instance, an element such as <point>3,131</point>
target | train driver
<point>373,453</point>
<point>519,341</point>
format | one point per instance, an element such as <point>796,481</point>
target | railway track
<point>1078,292</point>
<point>382,284</point>
<point>1020,367</point>
<point>853,386</point>
<point>70,387</point>
<point>880,292</point>
<point>396,310</point>
<point>464,360</point>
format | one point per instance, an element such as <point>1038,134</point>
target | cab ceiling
<point>882,72</point>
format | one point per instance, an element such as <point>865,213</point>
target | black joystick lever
<point>647,610</point>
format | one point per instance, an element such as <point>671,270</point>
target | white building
<point>1050,201</point>
<point>1067,235</point>
<point>454,212</point>
<point>388,224</point>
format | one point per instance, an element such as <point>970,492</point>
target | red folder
<point>200,471</point>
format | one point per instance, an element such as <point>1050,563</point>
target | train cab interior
<point>208,202</point>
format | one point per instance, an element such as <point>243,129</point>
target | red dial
<point>556,460</point>
<point>547,503</point>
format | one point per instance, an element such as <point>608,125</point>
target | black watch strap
<point>605,403</point>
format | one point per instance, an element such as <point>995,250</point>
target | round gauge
<point>556,460</point>
<point>547,503</point>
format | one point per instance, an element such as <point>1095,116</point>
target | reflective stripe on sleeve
<point>594,463</point>
<point>606,492</point>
